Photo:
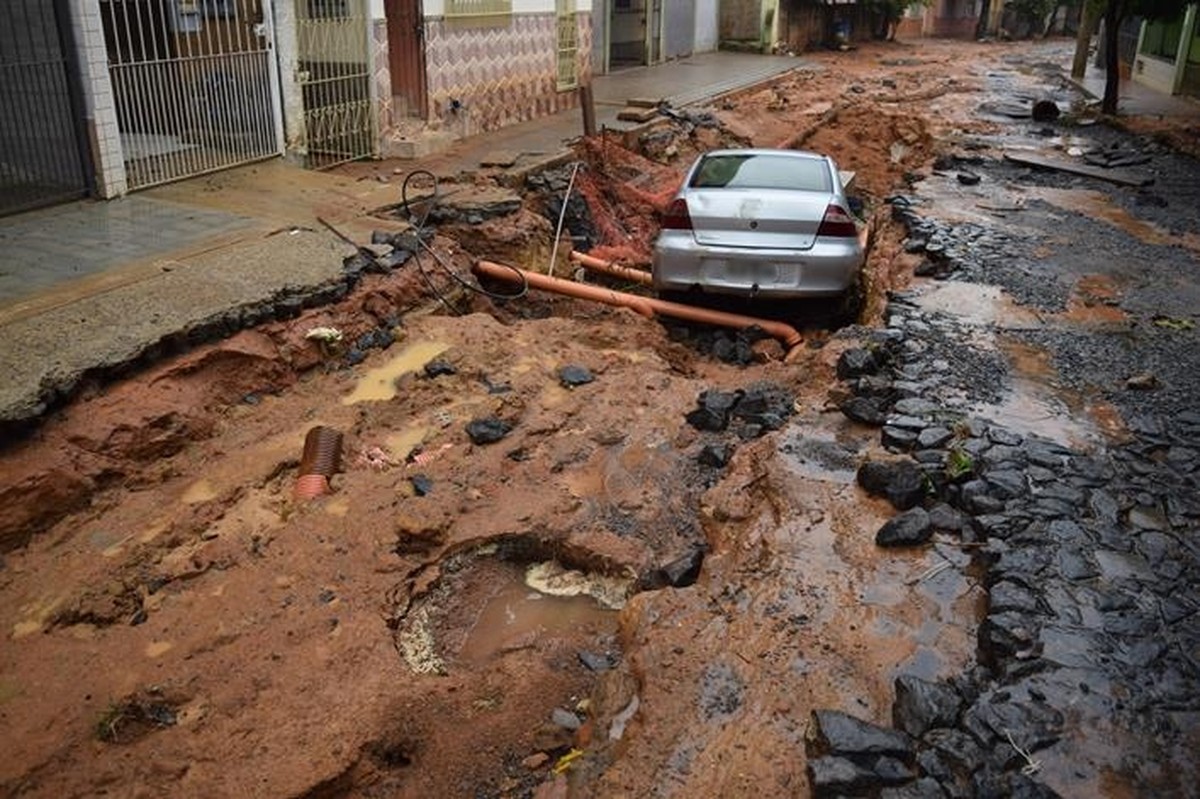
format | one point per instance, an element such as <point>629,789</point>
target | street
<point>950,550</point>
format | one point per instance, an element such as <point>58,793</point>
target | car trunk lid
<point>756,218</point>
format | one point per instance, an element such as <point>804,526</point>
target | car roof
<point>764,151</point>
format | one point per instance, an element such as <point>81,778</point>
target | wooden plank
<point>644,102</point>
<point>1111,175</point>
<point>637,114</point>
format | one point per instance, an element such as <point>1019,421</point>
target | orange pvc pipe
<point>643,305</point>
<point>611,268</point>
<point>569,287</point>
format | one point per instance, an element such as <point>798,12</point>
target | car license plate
<point>747,273</point>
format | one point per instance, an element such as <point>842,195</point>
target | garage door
<point>42,148</point>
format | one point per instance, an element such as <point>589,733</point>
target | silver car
<point>760,223</point>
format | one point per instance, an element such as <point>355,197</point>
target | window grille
<point>568,44</point>
<point>477,9</point>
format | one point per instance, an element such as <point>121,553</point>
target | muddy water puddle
<point>1097,205</point>
<point>379,384</point>
<point>487,607</point>
<point>516,616</point>
<point>906,612</point>
<point>977,304</point>
<point>820,454</point>
<point>1034,402</point>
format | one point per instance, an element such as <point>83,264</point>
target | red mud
<point>177,625</point>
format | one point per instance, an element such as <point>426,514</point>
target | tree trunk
<point>981,27</point>
<point>1083,40</point>
<point>1112,58</point>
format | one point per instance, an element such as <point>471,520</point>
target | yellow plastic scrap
<point>566,760</point>
<point>1173,324</point>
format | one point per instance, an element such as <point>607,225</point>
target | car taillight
<point>837,223</point>
<point>677,216</point>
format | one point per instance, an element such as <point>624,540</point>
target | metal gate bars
<point>42,148</point>
<point>567,27</point>
<point>335,81</point>
<point>195,85</point>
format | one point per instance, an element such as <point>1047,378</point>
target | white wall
<point>707,15</point>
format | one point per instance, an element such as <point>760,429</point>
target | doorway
<point>406,57</point>
<point>43,148</point>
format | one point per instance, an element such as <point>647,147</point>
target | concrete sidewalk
<point>88,287</point>
<point>1134,99</point>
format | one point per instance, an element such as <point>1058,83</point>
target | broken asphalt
<point>91,289</point>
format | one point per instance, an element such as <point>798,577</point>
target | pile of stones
<point>1091,634</point>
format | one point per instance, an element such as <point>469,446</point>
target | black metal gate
<point>43,151</point>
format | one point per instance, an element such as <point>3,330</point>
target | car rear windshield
<point>759,171</point>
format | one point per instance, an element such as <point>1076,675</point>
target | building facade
<point>1168,54</point>
<point>102,97</point>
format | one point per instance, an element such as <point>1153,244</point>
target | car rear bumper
<point>828,269</point>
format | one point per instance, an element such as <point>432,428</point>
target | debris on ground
<point>921,559</point>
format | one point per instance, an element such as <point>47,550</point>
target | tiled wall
<point>100,108</point>
<point>501,75</point>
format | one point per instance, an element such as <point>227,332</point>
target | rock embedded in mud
<point>714,410</point>
<point>439,368</point>
<point>934,437</point>
<point>593,662</point>
<point>863,410</point>
<point>422,485</point>
<point>838,733</point>
<point>856,362</point>
<point>924,788</point>
<point>947,518</point>
<point>876,386</point>
<point>684,570</point>
<point>1033,725</point>
<point>536,761</point>
<point>922,705</point>
<point>898,439</point>
<point>902,482</point>
<point>716,455</point>
<point>488,430</point>
<point>916,407</point>
<point>565,719</point>
<point>573,376</point>
<point>908,529</point>
<point>1142,382</point>
<point>835,776</point>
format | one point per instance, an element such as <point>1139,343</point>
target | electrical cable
<point>418,222</point>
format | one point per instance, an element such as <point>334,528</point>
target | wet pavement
<point>999,380</point>
<point>43,249</point>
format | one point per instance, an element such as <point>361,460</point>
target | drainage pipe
<point>612,268</point>
<point>584,291</point>
<point>321,459</point>
<point>645,306</point>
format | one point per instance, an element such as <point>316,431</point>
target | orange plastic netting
<point>626,195</point>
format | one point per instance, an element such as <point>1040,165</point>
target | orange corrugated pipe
<point>611,268</point>
<point>645,306</point>
<point>321,459</point>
